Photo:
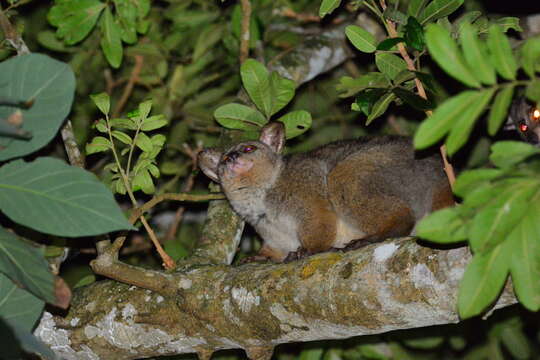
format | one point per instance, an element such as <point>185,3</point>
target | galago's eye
<point>249,148</point>
<point>535,114</point>
<point>523,127</point>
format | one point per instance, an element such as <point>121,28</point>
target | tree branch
<point>382,287</point>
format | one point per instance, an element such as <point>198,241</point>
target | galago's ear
<point>208,160</point>
<point>273,135</point>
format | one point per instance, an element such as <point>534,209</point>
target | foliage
<point>46,194</point>
<point>138,177</point>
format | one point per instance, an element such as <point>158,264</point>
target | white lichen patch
<point>90,306</point>
<point>228,311</point>
<point>58,340</point>
<point>131,288</point>
<point>129,312</point>
<point>297,328</point>
<point>245,299</point>
<point>74,321</point>
<point>185,283</point>
<point>159,299</point>
<point>147,298</point>
<point>383,252</point>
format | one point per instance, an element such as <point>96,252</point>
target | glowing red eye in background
<point>523,127</point>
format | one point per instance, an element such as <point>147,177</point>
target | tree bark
<point>393,285</point>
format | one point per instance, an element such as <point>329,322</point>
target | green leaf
<point>126,15</point>
<point>236,25</point>
<point>412,99</point>
<point>393,14</point>
<point>501,53</point>
<point>154,122</point>
<point>26,265</point>
<point>143,181</point>
<point>75,19</point>
<point>208,37</point>
<point>483,280</point>
<point>241,117</point>
<point>327,6</point>
<point>380,106</point>
<point>52,197</point>
<point>525,264</point>
<point>476,55</point>
<point>530,55</point>
<point>469,180</point>
<point>438,9</point>
<point>445,115</point>
<point>282,90</point>
<point>367,98</point>
<point>144,109</point>
<point>111,43</point>
<point>532,91</point>
<point>415,7</point>
<point>361,39</point>
<point>123,137</point>
<point>50,84</point>
<point>445,52</point>
<point>256,80</point>
<point>508,22</point>
<point>464,122</point>
<point>403,76</point>
<point>123,124</point>
<point>17,306</point>
<point>390,64</point>
<point>296,123</point>
<point>499,109</point>
<point>143,142</point>
<point>388,44</point>
<point>414,34</point>
<point>311,354</point>
<point>444,227</point>
<point>102,101</point>
<point>496,220</point>
<point>98,144</point>
<point>350,86</point>
<point>505,154</point>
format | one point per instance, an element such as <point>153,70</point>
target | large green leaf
<point>444,226</point>
<point>446,53</point>
<point>525,264</point>
<point>237,116</point>
<point>483,280</point>
<point>18,306</point>
<point>50,84</point>
<point>415,7</point>
<point>361,39</point>
<point>443,118</point>
<point>465,120</point>
<point>111,42</point>
<point>501,53</point>
<point>380,106</point>
<point>126,13</point>
<point>52,197</point>
<point>438,9</point>
<point>75,19</point>
<point>256,80</point>
<point>476,55</point>
<point>26,265</point>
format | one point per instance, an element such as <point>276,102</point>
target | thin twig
<point>128,89</point>
<point>245,35</point>
<point>421,92</point>
<point>174,197</point>
<point>12,37</point>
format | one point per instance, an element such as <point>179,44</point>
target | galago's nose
<point>230,156</point>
